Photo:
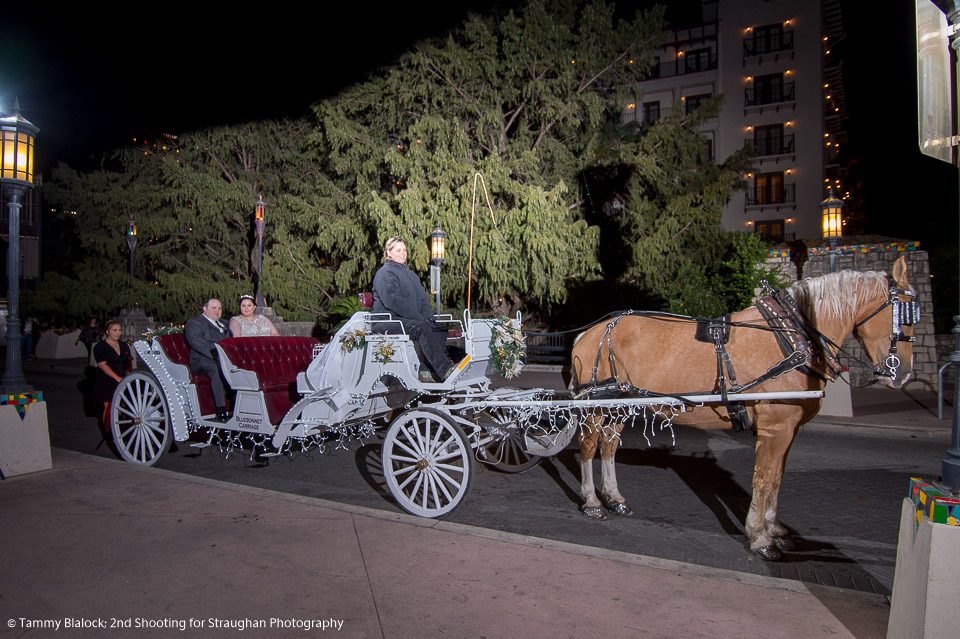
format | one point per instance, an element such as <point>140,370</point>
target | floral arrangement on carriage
<point>162,330</point>
<point>508,347</point>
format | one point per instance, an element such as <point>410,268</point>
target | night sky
<point>93,81</point>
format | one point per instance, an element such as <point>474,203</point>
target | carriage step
<point>200,445</point>
<point>276,454</point>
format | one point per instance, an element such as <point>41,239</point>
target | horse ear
<point>900,271</point>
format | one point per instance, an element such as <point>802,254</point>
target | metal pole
<point>950,466</point>
<point>13,380</point>
<point>259,296</point>
<point>131,261</point>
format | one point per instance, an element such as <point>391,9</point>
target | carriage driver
<point>201,333</point>
<point>397,290</point>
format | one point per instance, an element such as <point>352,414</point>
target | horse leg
<point>766,534</point>
<point>589,433</point>
<point>612,499</point>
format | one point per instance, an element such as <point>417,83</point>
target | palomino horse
<point>662,356</point>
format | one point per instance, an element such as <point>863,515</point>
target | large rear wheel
<point>140,420</point>
<point>427,462</point>
<point>505,452</point>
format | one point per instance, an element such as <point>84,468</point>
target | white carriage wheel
<point>427,462</point>
<point>140,420</point>
<point>506,454</point>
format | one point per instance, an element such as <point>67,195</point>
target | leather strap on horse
<point>783,315</point>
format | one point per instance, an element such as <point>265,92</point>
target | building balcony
<point>769,96</point>
<point>772,147</point>
<point>759,198</point>
<point>680,66</point>
<point>763,44</point>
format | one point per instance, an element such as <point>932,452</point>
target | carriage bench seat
<point>366,303</point>
<point>174,346</point>
<point>268,364</point>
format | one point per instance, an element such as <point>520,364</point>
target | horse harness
<point>805,348</point>
<point>904,314</point>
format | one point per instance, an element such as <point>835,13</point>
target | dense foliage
<point>530,100</point>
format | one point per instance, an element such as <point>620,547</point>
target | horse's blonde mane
<point>836,296</point>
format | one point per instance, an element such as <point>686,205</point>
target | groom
<point>201,333</point>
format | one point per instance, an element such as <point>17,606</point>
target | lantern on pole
<point>16,176</point>
<point>259,224</point>
<point>832,225</point>
<point>131,240</point>
<point>438,241</point>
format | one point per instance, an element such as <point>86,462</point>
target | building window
<point>769,38</point>
<point>693,102</point>
<point>769,89</point>
<point>768,188</point>
<point>770,140</point>
<point>653,72</point>
<point>707,157</point>
<point>651,113</point>
<point>697,60</point>
<point>770,229</point>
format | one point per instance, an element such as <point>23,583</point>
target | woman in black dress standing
<point>113,362</point>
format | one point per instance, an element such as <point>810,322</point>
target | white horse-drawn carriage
<point>293,394</point>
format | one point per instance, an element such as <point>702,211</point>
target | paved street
<point>841,495</point>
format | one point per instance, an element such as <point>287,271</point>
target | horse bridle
<point>904,314</point>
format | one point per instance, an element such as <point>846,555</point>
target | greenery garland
<point>508,346</point>
<point>162,330</point>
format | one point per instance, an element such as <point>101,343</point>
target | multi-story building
<point>772,61</point>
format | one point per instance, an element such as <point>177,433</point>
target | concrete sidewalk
<point>96,541</point>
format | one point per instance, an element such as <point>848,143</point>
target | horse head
<point>884,326</point>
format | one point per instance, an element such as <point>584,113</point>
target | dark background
<point>93,80</point>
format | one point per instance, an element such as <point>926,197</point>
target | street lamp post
<point>16,176</point>
<point>831,209</point>
<point>260,223</point>
<point>131,240</point>
<point>438,240</point>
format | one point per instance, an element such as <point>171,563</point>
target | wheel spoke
<point>415,454</point>
<point>433,490</point>
<point>443,486</point>
<point>408,479</point>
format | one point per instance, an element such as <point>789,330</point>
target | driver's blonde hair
<point>393,241</point>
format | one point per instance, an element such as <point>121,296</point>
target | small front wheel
<point>427,462</point>
<point>140,420</point>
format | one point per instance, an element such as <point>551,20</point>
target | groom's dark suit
<point>201,335</point>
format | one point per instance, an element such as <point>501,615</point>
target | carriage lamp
<point>830,209</point>
<point>438,242</point>
<point>259,224</point>
<point>131,240</point>
<point>16,176</point>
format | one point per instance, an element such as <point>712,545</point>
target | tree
<point>193,199</point>
<point>517,99</point>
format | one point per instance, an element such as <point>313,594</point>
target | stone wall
<point>925,359</point>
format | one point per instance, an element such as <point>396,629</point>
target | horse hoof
<point>768,553</point>
<point>618,509</point>
<point>595,513</point>
<point>784,543</point>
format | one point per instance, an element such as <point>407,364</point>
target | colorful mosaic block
<point>934,504</point>
<point>21,401</point>
<point>851,245</point>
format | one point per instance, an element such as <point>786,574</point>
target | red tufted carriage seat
<point>174,345</point>
<point>276,361</point>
